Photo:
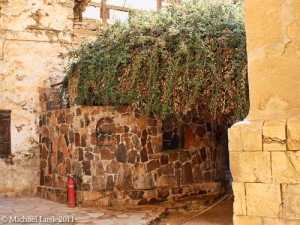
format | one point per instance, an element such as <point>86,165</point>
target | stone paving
<point>194,210</point>
<point>201,210</point>
<point>41,211</point>
<point>220,214</point>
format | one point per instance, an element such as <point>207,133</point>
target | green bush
<point>187,56</point>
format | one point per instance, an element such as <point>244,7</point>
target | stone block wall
<point>265,165</point>
<point>118,154</point>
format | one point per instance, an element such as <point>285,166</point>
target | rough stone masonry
<point>120,157</point>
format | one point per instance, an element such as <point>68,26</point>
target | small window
<point>105,131</point>
<point>5,145</point>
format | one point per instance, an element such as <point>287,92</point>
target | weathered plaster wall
<point>265,148</point>
<point>273,37</point>
<point>35,35</point>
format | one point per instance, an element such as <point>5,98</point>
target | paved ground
<point>41,211</point>
<point>38,211</point>
<point>220,214</point>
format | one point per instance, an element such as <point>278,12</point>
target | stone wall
<point>86,31</point>
<point>35,36</point>
<point>265,168</point>
<point>118,154</point>
<point>264,149</point>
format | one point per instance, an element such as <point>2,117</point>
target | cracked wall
<point>265,165</point>
<point>265,147</point>
<point>35,36</point>
<point>273,37</point>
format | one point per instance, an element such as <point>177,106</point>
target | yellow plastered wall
<point>265,147</point>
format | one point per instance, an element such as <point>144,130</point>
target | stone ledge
<point>270,135</point>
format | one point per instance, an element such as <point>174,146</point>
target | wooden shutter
<point>5,145</point>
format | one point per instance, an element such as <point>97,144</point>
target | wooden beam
<point>158,5</point>
<point>118,8</point>
<point>80,15</point>
<point>172,1</point>
<point>95,4</point>
<point>105,8</point>
<point>103,12</point>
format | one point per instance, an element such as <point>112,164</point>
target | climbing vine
<point>187,56</point>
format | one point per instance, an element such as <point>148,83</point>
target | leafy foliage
<point>187,56</point>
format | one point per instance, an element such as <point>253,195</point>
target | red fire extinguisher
<point>71,192</point>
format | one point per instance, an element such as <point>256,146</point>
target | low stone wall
<point>119,156</point>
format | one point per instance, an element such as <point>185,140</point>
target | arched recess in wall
<point>105,131</point>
